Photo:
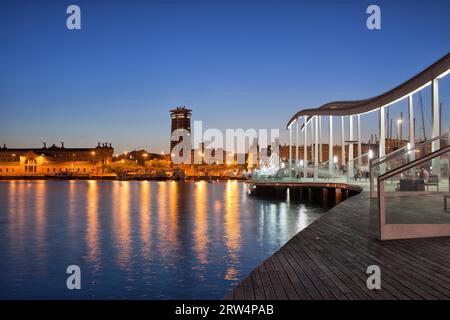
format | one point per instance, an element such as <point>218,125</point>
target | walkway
<point>328,260</point>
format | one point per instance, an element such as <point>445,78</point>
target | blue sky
<point>237,64</point>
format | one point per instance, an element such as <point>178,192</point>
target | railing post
<point>381,208</point>
<point>371,179</point>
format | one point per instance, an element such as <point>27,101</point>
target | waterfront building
<point>54,160</point>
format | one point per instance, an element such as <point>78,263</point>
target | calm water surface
<point>137,240</point>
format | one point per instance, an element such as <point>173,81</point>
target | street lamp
<point>399,130</point>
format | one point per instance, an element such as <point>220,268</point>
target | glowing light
<point>93,153</point>
<point>370,154</point>
<point>335,159</point>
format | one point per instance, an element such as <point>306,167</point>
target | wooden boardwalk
<point>328,260</point>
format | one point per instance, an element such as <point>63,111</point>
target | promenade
<point>329,259</point>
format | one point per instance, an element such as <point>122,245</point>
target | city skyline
<point>116,79</point>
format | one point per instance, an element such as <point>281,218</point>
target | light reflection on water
<point>137,240</point>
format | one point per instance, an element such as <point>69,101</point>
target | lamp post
<point>399,132</point>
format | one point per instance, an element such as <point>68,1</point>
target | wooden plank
<point>328,259</point>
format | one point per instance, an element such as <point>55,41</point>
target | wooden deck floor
<point>328,260</point>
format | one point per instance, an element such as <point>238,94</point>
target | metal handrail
<point>396,153</point>
<point>363,155</point>
<point>413,164</point>
<point>389,156</point>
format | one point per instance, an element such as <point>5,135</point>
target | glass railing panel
<point>401,157</point>
<point>415,198</point>
<point>357,169</point>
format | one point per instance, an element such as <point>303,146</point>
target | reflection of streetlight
<point>73,159</point>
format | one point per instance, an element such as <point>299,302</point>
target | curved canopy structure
<point>344,108</point>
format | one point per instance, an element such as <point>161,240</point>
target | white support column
<point>312,140</point>
<point>330,150</point>
<point>320,140</point>
<point>412,139</point>
<point>350,148</point>
<point>305,149</point>
<point>436,124</point>
<point>382,133</point>
<point>290,148</point>
<point>316,149</point>
<point>342,142</point>
<point>296,149</point>
<point>359,139</point>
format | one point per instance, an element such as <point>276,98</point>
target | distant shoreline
<point>109,178</point>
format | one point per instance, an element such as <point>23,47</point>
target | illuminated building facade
<point>54,160</point>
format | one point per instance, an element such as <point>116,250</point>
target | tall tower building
<point>181,119</point>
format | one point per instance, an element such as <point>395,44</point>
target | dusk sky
<point>236,64</point>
